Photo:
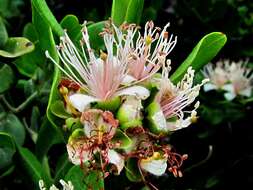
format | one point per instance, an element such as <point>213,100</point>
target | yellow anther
<point>148,40</point>
<point>103,55</point>
<point>63,90</point>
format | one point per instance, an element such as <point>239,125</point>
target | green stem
<point>23,105</point>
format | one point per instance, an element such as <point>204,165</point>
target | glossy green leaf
<point>16,46</point>
<point>47,16</point>
<point>11,124</point>
<point>96,40</point>
<point>119,9</point>
<point>3,33</point>
<point>47,137</point>
<point>134,11</point>
<point>127,10</point>
<point>47,43</point>
<point>7,149</point>
<point>32,167</point>
<point>85,181</point>
<point>203,52</point>
<point>71,24</point>
<point>28,63</point>
<point>62,167</point>
<point>6,78</point>
<point>59,110</point>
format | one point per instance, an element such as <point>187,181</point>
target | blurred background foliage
<point>219,144</point>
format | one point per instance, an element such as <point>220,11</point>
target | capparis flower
<point>66,186</point>
<point>168,111</point>
<point>95,140</point>
<point>232,77</point>
<point>100,78</point>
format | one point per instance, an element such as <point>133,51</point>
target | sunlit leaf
<point>134,11</point>
<point>47,16</point>
<point>59,110</point>
<point>203,52</point>
<point>27,64</point>
<point>118,13</point>
<point>16,46</point>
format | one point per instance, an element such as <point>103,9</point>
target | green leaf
<point>62,167</point>
<point>47,137</point>
<point>127,10</point>
<point>134,11</point>
<point>203,52</point>
<point>132,171</point>
<point>28,63</point>
<point>16,46</point>
<point>47,16</point>
<point>96,40</point>
<point>3,33</point>
<point>12,125</point>
<point>73,27</point>
<point>59,110</point>
<point>7,149</point>
<point>7,171</point>
<point>33,167</point>
<point>119,9</point>
<point>92,180</point>
<point>6,78</point>
<point>47,43</point>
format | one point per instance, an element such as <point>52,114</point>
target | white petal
<point>160,121</point>
<point>228,87</point>
<point>116,159</point>
<point>81,101</point>
<point>137,91</point>
<point>246,92</point>
<point>128,79</point>
<point>74,152</point>
<point>229,96</point>
<point>154,166</point>
<point>209,86</point>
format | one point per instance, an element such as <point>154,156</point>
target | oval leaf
<point>92,180</point>
<point>203,52</point>
<point>33,167</point>
<point>3,33</point>
<point>45,13</point>
<point>119,8</point>
<point>12,125</point>
<point>134,11</point>
<point>7,149</point>
<point>16,46</point>
<point>6,78</point>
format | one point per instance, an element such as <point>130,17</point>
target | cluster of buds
<point>123,110</point>
<point>232,77</point>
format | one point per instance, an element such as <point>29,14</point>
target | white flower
<point>148,53</point>
<point>100,78</point>
<point>232,77</point>
<point>66,186</point>
<point>173,99</point>
<point>156,164</point>
<point>99,130</point>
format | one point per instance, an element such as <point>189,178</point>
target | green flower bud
<point>129,114</point>
<point>156,120</point>
<point>73,123</point>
